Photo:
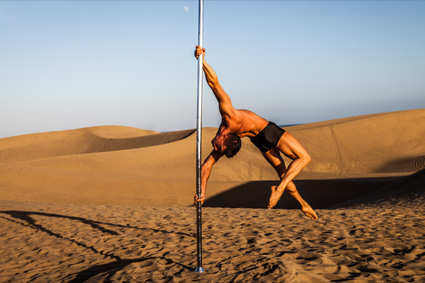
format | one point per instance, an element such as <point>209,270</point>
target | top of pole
<point>201,23</point>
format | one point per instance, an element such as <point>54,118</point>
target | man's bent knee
<point>303,161</point>
<point>306,159</point>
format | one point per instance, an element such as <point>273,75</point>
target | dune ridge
<point>82,141</point>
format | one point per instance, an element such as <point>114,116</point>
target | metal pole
<point>199,267</point>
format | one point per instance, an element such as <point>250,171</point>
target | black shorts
<point>268,138</point>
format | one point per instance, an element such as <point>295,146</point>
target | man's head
<point>229,144</point>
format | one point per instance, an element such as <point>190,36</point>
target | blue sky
<point>73,64</point>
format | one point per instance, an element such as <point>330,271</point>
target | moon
<point>186,8</point>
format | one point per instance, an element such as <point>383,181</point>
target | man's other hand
<point>201,199</point>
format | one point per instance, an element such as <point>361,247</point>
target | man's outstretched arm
<point>224,102</point>
<point>206,172</point>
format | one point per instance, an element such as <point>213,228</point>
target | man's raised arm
<point>224,102</point>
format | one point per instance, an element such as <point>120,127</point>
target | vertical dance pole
<point>199,267</point>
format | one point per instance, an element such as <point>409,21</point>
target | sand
<point>113,204</point>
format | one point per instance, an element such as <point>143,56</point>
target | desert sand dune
<point>384,143</point>
<point>113,204</point>
<point>81,141</point>
<point>145,167</point>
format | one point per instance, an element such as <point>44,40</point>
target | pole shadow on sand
<point>109,268</point>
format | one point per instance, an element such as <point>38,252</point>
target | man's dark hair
<point>233,144</point>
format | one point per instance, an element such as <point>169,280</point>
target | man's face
<point>218,143</point>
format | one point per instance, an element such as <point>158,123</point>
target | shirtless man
<point>267,136</point>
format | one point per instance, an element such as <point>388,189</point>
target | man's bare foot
<point>274,197</point>
<point>309,212</point>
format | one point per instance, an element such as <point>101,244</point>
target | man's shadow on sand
<point>109,268</point>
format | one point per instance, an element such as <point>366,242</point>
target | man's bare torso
<point>244,123</point>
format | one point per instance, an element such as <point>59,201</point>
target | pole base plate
<point>199,269</point>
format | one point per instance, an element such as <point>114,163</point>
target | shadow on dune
<point>409,190</point>
<point>144,141</point>
<point>318,193</point>
<point>406,164</point>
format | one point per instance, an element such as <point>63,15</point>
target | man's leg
<point>276,160</point>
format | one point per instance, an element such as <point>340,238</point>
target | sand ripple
<point>89,243</point>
